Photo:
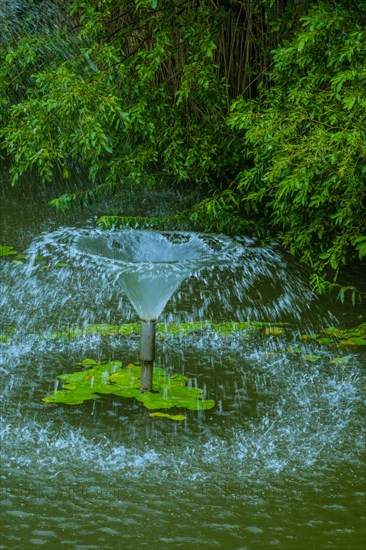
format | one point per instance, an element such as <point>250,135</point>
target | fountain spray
<point>150,266</point>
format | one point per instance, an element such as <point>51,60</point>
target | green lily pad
<point>7,251</point>
<point>311,358</point>
<point>274,331</point>
<point>88,362</point>
<point>107,330</point>
<point>68,397</point>
<point>355,336</point>
<point>113,379</point>
<point>173,329</point>
<point>325,341</point>
<point>341,361</point>
<point>177,417</point>
<point>355,341</point>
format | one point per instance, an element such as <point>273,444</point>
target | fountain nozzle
<point>147,353</point>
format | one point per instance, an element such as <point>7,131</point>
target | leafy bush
<point>132,92</point>
<point>161,92</point>
<point>307,140</point>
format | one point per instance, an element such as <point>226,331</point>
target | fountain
<point>278,460</point>
<point>150,266</point>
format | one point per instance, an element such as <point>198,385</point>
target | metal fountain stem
<point>147,353</point>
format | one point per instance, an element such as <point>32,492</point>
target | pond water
<point>278,462</point>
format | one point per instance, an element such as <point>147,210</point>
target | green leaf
<point>7,251</point>
<point>88,362</point>
<point>311,358</point>
<point>274,331</point>
<point>67,397</point>
<point>112,379</point>
<point>341,361</point>
<point>177,417</point>
<point>361,246</point>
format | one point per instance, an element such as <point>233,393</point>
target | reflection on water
<point>278,462</point>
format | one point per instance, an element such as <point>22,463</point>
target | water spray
<point>149,267</point>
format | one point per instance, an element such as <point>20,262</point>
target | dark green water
<point>279,462</point>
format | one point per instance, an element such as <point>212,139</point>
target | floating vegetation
<point>7,251</point>
<point>177,417</point>
<point>174,329</point>
<point>111,378</point>
<point>355,336</point>
<point>330,336</point>
<point>311,358</point>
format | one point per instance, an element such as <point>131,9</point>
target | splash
<point>150,266</point>
<point>88,273</point>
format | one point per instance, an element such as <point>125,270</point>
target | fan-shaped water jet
<point>150,266</point>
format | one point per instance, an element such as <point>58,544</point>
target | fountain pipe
<point>147,353</point>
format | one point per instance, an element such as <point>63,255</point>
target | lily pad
<point>274,331</point>
<point>107,330</point>
<point>355,336</point>
<point>341,361</point>
<point>7,251</point>
<point>355,341</point>
<point>88,363</point>
<point>174,329</point>
<point>177,417</point>
<point>311,358</point>
<point>70,397</point>
<point>113,379</point>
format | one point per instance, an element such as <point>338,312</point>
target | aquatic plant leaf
<point>126,379</point>
<point>311,358</point>
<point>67,397</point>
<point>325,341</point>
<point>188,401</point>
<point>108,330</point>
<point>274,331</point>
<point>67,335</point>
<point>355,341</point>
<point>341,361</point>
<point>166,329</point>
<point>177,417</point>
<point>113,379</point>
<point>125,392</point>
<point>88,362</point>
<point>7,251</point>
<point>355,336</point>
<point>179,378</point>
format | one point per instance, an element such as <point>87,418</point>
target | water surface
<point>278,462</point>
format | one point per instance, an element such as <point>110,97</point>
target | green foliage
<point>215,213</point>
<point>355,336</point>
<point>173,329</point>
<point>307,140</point>
<point>161,93</point>
<point>177,417</point>
<point>133,93</point>
<point>7,251</point>
<point>112,379</point>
